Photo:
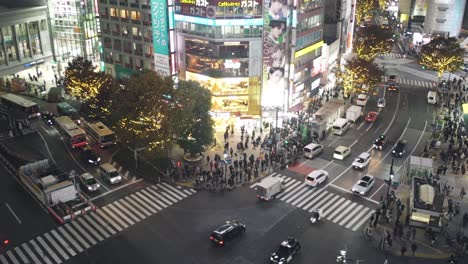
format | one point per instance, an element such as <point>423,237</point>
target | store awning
<point>296,108</point>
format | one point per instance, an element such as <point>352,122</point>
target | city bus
<point>66,109</point>
<point>75,136</point>
<point>15,102</point>
<point>100,133</point>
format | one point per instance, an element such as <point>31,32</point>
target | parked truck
<point>353,113</point>
<point>269,187</point>
<point>56,190</point>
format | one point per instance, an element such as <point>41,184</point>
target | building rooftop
<point>427,195</point>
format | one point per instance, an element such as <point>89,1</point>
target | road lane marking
<point>326,165</point>
<point>83,232</point>
<point>3,259</point>
<point>40,252</point>
<point>75,234</point>
<point>110,221</point>
<point>360,126</point>
<point>394,114</point>
<point>95,225</point>
<point>48,249</point>
<point>343,213</point>
<point>21,254</point>
<point>47,145</point>
<point>115,189</point>
<point>304,189</point>
<point>126,212</point>
<point>358,216</point>
<point>311,196</point>
<point>88,228</point>
<point>30,253</point>
<point>346,219</point>
<point>112,210</point>
<point>314,200</point>
<point>321,201</point>
<point>103,223</point>
<point>148,202</point>
<point>354,143</point>
<point>137,206</point>
<point>417,143</point>
<point>12,257</point>
<point>332,200</point>
<point>156,197</point>
<point>165,194</point>
<point>70,239</point>
<point>13,213</point>
<point>339,209</point>
<point>327,211</point>
<point>287,192</point>
<point>333,142</point>
<point>349,191</point>
<point>179,193</point>
<point>362,221</point>
<point>56,246</point>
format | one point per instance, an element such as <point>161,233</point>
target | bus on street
<point>100,133</point>
<point>18,103</point>
<point>75,136</point>
<point>65,109</point>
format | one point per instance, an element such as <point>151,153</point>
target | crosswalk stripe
<point>40,252</point>
<point>323,200</point>
<point>346,219</point>
<point>157,198</point>
<point>112,215</point>
<point>30,253</point>
<point>362,221</point>
<point>96,226</point>
<point>304,189</point>
<point>311,196</point>
<point>90,229</point>
<point>130,213</point>
<point>136,205</point>
<point>294,191</point>
<point>314,200</point>
<point>3,259</point>
<point>83,232</point>
<point>75,234</point>
<point>70,239</point>
<point>48,249</point>
<point>56,246</point>
<point>333,199</point>
<point>339,209</point>
<point>123,217</point>
<point>103,223</point>
<point>132,208</point>
<point>326,211</point>
<point>188,192</point>
<point>118,225</point>
<point>163,193</point>
<point>343,213</point>
<point>358,216</point>
<point>309,192</point>
<point>149,201</point>
<point>288,189</point>
<point>146,203</point>
<point>12,257</point>
<point>21,255</point>
<point>177,193</point>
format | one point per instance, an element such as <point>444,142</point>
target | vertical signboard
<point>159,25</point>
<point>275,13</point>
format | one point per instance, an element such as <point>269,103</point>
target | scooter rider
<point>316,215</point>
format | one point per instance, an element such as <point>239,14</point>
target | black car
<point>380,142</point>
<point>89,156</point>
<point>227,232</point>
<point>48,118</point>
<point>400,148</point>
<point>286,251</point>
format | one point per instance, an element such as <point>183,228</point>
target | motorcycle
<point>316,216</point>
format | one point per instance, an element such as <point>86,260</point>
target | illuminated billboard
<point>214,8</point>
<point>274,52</point>
<point>159,24</point>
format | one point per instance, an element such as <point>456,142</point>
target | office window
<point>135,15</point>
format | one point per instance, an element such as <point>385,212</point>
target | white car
<point>362,161</point>
<point>381,102</point>
<point>363,186</point>
<point>361,99</point>
<point>312,150</point>
<point>316,177</point>
<point>341,152</point>
<point>88,182</point>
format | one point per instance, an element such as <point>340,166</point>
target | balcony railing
<point>147,23</point>
<point>147,39</point>
<point>115,33</point>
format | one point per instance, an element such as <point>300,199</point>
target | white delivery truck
<point>353,113</point>
<point>269,187</point>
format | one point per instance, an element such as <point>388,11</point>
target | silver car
<point>363,186</point>
<point>88,182</point>
<point>381,102</point>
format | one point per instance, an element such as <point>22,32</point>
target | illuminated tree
<point>142,112</point>
<point>442,55</point>
<point>372,42</point>
<point>81,80</point>
<point>194,125</point>
<point>363,7</point>
<point>382,4</point>
<point>359,76</point>
<point>98,108</point>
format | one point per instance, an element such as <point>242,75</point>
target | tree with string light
<point>363,7</point>
<point>359,76</point>
<point>442,55</point>
<point>372,41</point>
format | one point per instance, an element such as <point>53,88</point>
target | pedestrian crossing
<point>416,83</point>
<point>66,241</point>
<point>337,209</point>
<point>393,55</point>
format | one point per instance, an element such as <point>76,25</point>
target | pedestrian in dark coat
<point>414,247</point>
<point>403,250</point>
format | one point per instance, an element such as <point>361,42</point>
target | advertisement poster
<point>274,52</point>
<point>213,8</point>
<point>160,36</point>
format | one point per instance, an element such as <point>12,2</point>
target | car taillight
<point>211,237</point>
<point>221,242</point>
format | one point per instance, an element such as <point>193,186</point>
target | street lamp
<point>392,174</point>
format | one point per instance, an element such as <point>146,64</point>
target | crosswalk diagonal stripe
<point>30,253</point>
<point>12,257</point>
<point>48,249</point>
<point>362,221</point>
<point>187,192</point>
<point>3,259</point>
<point>111,219</point>
<point>75,235</point>
<point>325,206</point>
<point>83,232</point>
<point>311,196</point>
<point>123,217</point>
<point>288,182</point>
<point>56,246</point>
<point>105,210</point>
<point>304,189</point>
<point>339,209</point>
<point>63,242</point>
<point>305,196</point>
<point>292,190</point>
<point>90,229</point>
<point>40,252</point>
<point>145,203</point>
<point>289,188</point>
<point>132,208</point>
<point>343,213</point>
<point>126,212</point>
<point>157,197</point>
<point>70,239</point>
<point>149,201</point>
<point>346,219</point>
<point>176,192</point>
<point>358,216</point>
<point>103,223</point>
<point>21,255</point>
<point>131,202</point>
<point>323,200</point>
<point>96,226</point>
<point>164,193</point>
<point>314,200</point>
<point>329,210</point>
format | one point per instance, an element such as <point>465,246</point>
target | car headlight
<point>401,153</point>
<point>394,151</point>
<point>98,186</point>
<point>90,188</point>
<point>90,161</point>
<point>362,193</point>
<point>99,159</point>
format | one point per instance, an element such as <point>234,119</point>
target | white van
<point>312,150</point>
<point>341,152</point>
<point>361,99</point>
<point>432,97</point>
<point>109,173</point>
<point>340,126</point>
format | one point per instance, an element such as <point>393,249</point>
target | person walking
<point>414,232</point>
<point>462,192</point>
<point>414,247</point>
<point>403,250</point>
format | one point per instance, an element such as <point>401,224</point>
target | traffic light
<point>423,67</point>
